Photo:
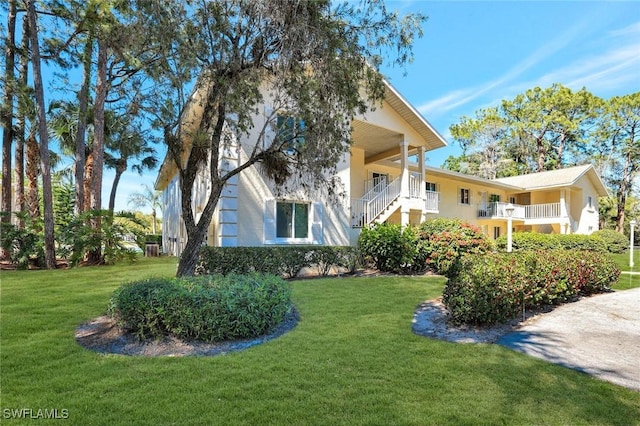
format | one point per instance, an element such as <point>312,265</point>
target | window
<point>494,198</point>
<point>290,131</point>
<point>590,202</point>
<point>496,232</point>
<point>292,220</point>
<point>465,196</point>
<point>431,186</point>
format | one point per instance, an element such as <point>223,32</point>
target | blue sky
<point>476,53</point>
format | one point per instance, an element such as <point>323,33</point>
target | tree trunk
<point>21,121</point>
<point>7,118</point>
<point>153,224</point>
<point>88,175</point>
<point>121,167</point>
<point>33,159</point>
<point>83,100</point>
<point>95,256</point>
<point>47,192</point>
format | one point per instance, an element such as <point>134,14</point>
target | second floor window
<point>290,131</point>
<point>465,197</point>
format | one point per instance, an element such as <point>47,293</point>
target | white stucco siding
<point>586,215</point>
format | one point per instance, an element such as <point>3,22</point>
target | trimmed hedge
<point>614,241</point>
<point>285,261</point>
<point>212,308</point>
<point>495,287</point>
<point>534,241</point>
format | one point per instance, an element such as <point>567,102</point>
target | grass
<point>627,281</point>
<point>352,359</point>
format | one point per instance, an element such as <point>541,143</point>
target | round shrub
<point>614,241</point>
<point>441,242</point>
<point>495,287</point>
<point>207,308</point>
<point>391,248</point>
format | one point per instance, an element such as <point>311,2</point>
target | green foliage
<point>391,248</point>
<point>614,241</point>
<point>352,357</point>
<point>495,287</point>
<point>441,242</point>
<point>535,241</point>
<point>287,261</point>
<point>207,308</point>
<point>78,237</point>
<point>25,245</point>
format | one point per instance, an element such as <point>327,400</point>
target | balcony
<point>497,210</point>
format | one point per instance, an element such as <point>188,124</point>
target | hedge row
<point>495,287</point>
<point>285,261</point>
<point>436,244</point>
<point>212,308</point>
<point>602,241</point>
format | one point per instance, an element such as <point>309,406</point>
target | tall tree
<point>124,145</point>
<point>147,198</point>
<point>7,109</point>
<point>620,131</point>
<point>21,121</point>
<point>47,194</point>
<point>538,130</point>
<point>483,140</point>
<point>318,60</point>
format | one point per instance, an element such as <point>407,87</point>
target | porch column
<point>564,213</point>
<point>404,183</point>
<point>423,178</point>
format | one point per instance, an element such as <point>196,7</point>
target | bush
<point>614,241</point>
<point>211,308</point>
<point>287,261</point>
<point>25,245</point>
<point>534,241</point>
<point>441,242</point>
<point>391,248</point>
<point>485,289</point>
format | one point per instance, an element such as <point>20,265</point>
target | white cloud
<point>461,97</point>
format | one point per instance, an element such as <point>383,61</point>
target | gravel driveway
<point>599,335</point>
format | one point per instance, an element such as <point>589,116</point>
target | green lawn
<point>352,359</point>
<point>627,281</point>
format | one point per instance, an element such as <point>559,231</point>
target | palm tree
<point>147,198</point>
<point>125,143</point>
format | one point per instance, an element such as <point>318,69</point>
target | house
<point>385,179</point>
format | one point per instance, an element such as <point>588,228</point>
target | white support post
<point>632,225</point>
<point>404,183</point>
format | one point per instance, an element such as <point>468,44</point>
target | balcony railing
<point>431,201</point>
<point>498,210</point>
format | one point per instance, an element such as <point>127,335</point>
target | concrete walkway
<point>598,335</point>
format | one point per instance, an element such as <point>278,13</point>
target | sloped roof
<point>413,117</point>
<point>556,178</point>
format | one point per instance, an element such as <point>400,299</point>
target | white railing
<point>540,211</point>
<point>431,200</point>
<point>364,210</point>
<point>415,186</point>
<point>533,211</point>
<point>375,184</point>
<point>373,187</point>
